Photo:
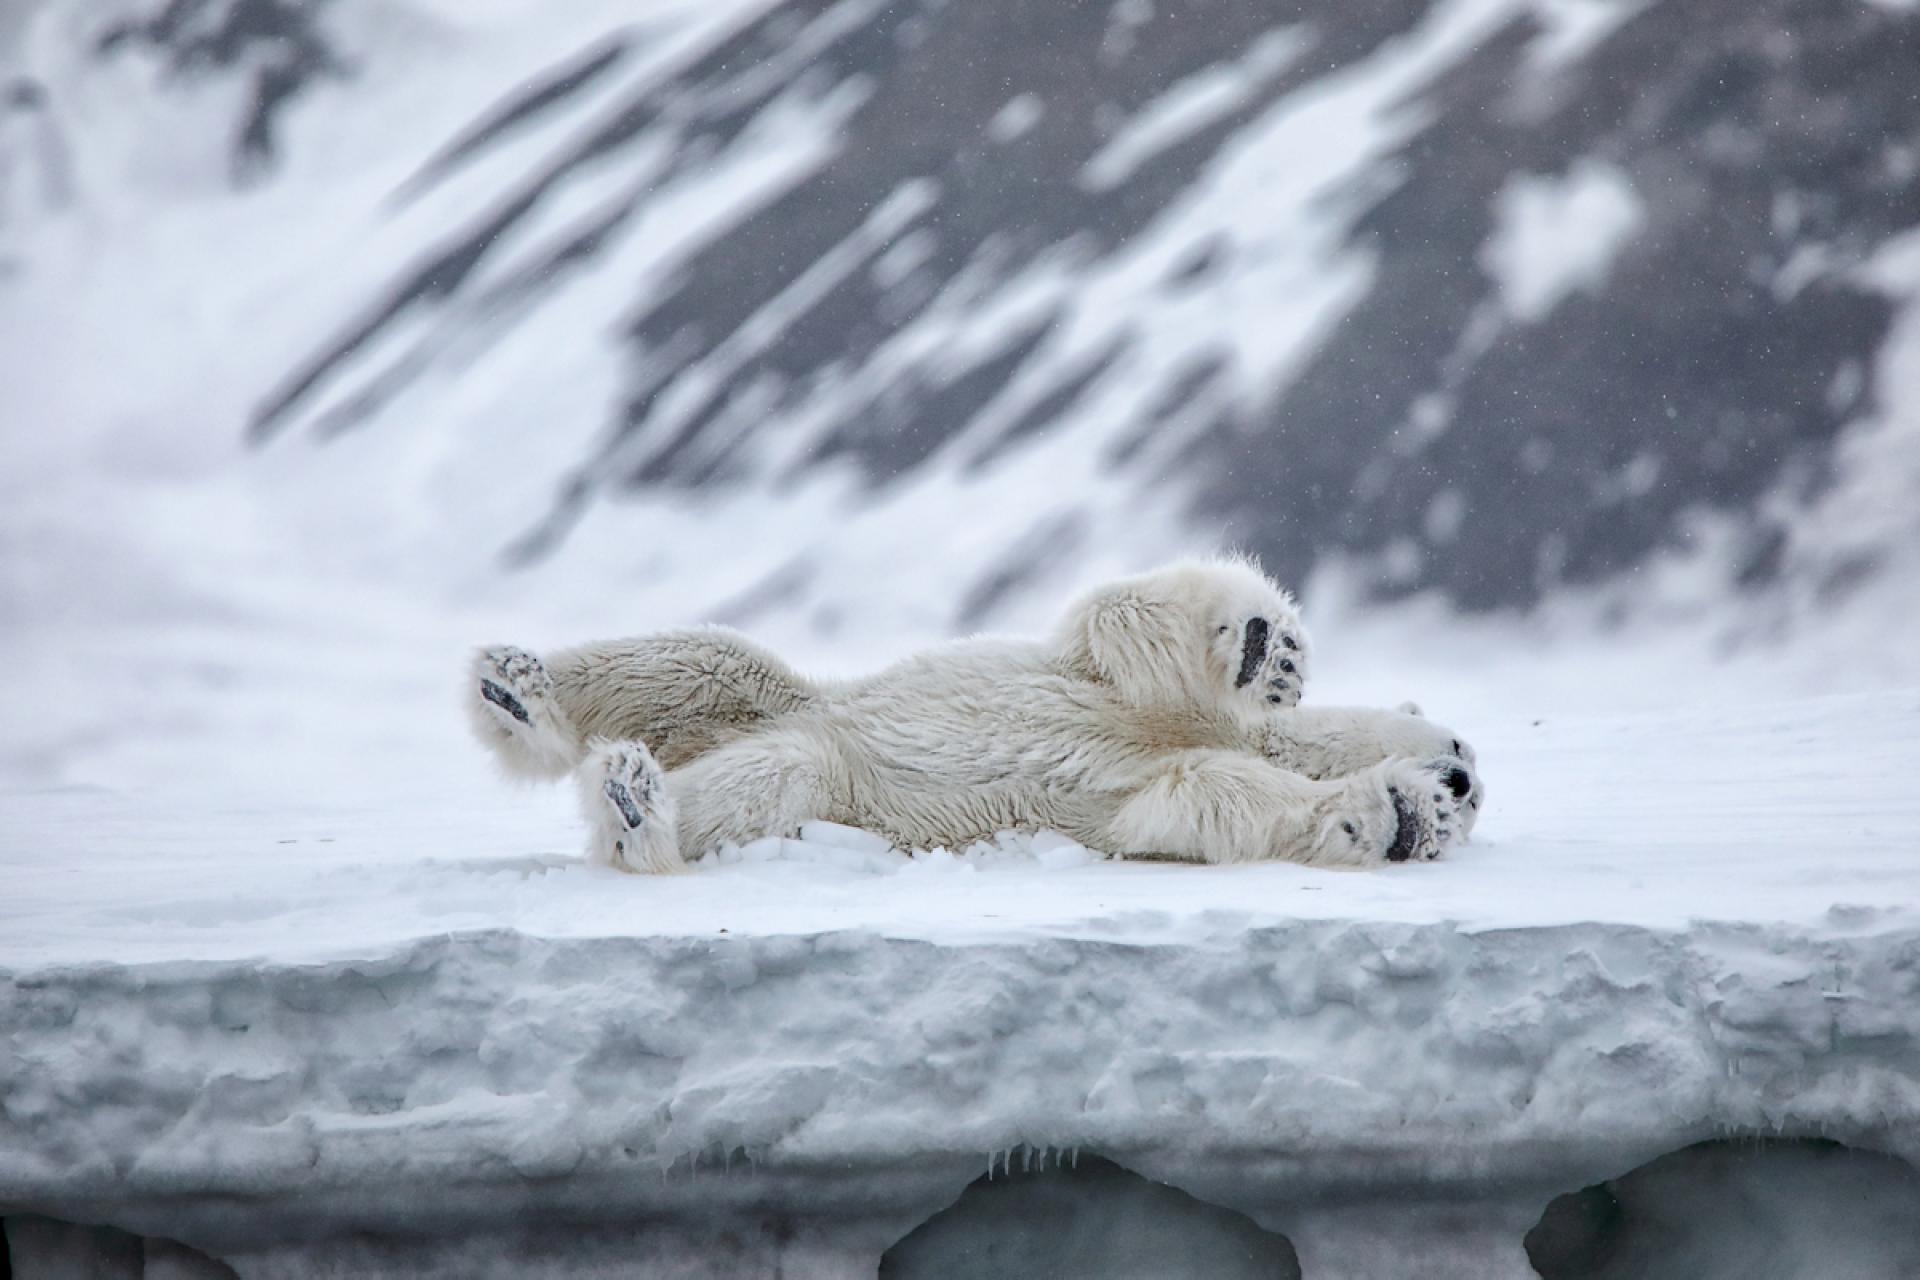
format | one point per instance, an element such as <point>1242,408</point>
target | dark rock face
<point>1750,133</point>
<point>277,45</point>
<point>1448,438</point>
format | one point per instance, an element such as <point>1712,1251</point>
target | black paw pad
<point>499,697</point>
<point>1253,652</point>
<point>622,799</point>
<point>1406,829</point>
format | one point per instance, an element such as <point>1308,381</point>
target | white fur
<point>1332,742</point>
<point>673,690</point>
<point>1138,728</point>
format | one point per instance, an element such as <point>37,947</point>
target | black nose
<point>1458,782</point>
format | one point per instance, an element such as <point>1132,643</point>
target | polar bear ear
<point>1140,645</point>
<point>1410,709</point>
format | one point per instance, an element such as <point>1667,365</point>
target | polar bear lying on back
<point>1158,720</point>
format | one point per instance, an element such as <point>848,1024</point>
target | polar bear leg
<point>681,692</point>
<point>1337,742</point>
<point>765,784</point>
<point>1217,806</point>
<point>643,818</point>
<point>630,810</point>
<point>511,705</point>
<point>1213,806</point>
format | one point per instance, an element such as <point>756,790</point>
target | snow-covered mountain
<point>1485,296</point>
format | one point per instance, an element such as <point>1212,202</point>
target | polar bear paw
<point>510,680</point>
<point>1426,798</point>
<point>1401,810</point>
<point>512,707</point>
<point>630,815</point>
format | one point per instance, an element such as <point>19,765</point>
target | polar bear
<point>1144,726</point>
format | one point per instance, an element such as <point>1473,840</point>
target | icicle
<point>1076,1157</point>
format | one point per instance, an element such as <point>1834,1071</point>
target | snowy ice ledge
<point>788,1066</point>
<point>817,1097</point>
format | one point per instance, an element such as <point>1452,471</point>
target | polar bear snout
<point>1458,781</point>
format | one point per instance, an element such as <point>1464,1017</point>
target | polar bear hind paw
<point>1426,798</point>
<point>514,713</point>
<point>630,816</point>
<point>500,697</point>
<point>620,796</point>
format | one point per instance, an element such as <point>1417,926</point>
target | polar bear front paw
<point>630,815</point>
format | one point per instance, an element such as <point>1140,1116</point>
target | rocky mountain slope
<point>1486,296</point>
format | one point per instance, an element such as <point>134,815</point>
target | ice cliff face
<point>492,1103</point>
<point>1492,294</point>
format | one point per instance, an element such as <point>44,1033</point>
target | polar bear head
<point>1206,636</point>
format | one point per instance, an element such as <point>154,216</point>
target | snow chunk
<point>1056,852</point>
<point>1571,29</point>
<point>1190,106</point>
<point>838,836</point>
<point>1556,235</point>
<point>1017,118</point>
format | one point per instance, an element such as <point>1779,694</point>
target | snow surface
<point>398,1012</point>
<point>1799,813</point>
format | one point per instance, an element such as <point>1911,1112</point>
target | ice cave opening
<point>1739,1209</point>
<point>1085,1216</point>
